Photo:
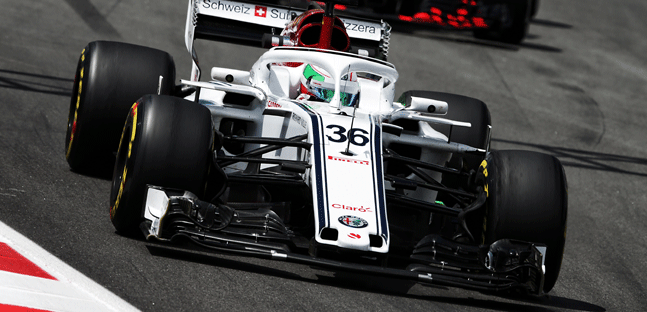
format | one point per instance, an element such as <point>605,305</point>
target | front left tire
<point>166,141</point>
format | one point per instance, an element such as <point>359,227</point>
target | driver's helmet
<point>317,83</point>
<point>305,31</point>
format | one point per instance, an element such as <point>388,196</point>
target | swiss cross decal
<point>260,11</point>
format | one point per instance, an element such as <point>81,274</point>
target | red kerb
<point>13,308</point>
<point>12,261</point>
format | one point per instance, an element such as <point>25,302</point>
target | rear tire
<point>166,142</point>
<point>465,109</point>
<point>461,108</point>
<point>110,77</point>
<point>528,201</point>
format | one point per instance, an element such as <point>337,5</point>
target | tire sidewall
<point>126,184</point>
<point>172,147</point>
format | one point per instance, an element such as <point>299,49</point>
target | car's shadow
<point>102,174</point>
<point>548,23</point>
<point>585,159</point>
<point>373,284</point>
<point>35,83</point>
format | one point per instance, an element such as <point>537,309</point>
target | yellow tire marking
<point>78,103</point>
<point>114,208</point>
<point>484,166</point>
<point>487,194</point>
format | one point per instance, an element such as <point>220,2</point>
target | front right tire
<point>528,201</point>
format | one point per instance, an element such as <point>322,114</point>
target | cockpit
<point>337,78</point>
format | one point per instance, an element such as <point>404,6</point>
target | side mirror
<point>424,105</point>
<point>230,75</point>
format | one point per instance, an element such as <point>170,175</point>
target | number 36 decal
<point>356,135</point>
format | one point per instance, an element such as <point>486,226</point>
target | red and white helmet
<point>305,31</point>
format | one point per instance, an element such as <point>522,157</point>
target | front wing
<point>178,216</point>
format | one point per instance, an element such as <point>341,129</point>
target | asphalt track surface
<point>575,89</point>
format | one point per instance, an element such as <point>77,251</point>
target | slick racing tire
<point>528,201</point>
<point>110,77</point>
<point>461,108</point>
<point>514,23</point>
<point>167,142</point>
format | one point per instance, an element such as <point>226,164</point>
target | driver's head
<point>318,84</point>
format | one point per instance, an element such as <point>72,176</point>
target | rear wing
<point>247,22</point>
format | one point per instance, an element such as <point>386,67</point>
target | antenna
<point>347,152</point>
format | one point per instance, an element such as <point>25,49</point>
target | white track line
<point>72,291</point>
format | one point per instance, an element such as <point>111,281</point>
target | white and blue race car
<point>308,157</point>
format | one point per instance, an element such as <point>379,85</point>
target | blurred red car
<point>500,20</point>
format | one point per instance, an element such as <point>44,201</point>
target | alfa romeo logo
<point>352,221</point>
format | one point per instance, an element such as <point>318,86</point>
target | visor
<point>323,91</point>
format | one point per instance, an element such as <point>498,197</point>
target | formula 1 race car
<point>499,20</point>
<point>308,158</point>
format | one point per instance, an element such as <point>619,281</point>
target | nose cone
<point>352,240</point>
<point>355,234</point>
